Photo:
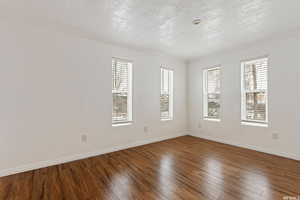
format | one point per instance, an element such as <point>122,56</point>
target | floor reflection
<point>166,176</point>
<point>254,182</point>
<point>120,186</point>
<point>214,186</point>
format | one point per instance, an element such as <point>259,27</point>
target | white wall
<point>284,98</point>
<point>54,86</point>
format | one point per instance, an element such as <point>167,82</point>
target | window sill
<point>122,124</point>
<point>166,120</point>
<point>212,120</point>
<point>257,124</point>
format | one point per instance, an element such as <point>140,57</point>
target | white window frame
<point>205,94</point>
<point>171,94</point>
<point>244,120</point>
<point>129,121</point>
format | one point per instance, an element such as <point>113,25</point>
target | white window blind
<point>121,91</point>
<point>166,94</point>
<point>212,93</point>
<point>255,91</point>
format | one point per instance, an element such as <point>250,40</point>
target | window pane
<point>120,107</point>
<point>255,75</point>
<point>121,91</point>
<point>213,106</point>
<point>213,81</point>
<point>166,94</point>
<point>164,106</point>
<point>212,93</point>
<point>256,106</point>
<point>254,90</point>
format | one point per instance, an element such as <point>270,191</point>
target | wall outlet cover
<point>146,129</point>
<point>275,136</point>
<point>84,138</point>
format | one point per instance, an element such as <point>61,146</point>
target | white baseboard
<point>48,163</point>
<point>255,148</point>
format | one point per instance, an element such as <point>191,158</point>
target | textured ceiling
<point>165,25</point>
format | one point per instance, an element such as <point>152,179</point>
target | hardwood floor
<point>181,168</point>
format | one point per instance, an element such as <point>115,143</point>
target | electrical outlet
<point>146,129</point>
<point>275,136</point>
<point>199,125</point>
<point>84,138</point>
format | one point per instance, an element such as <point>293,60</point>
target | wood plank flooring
<point>181,168</point>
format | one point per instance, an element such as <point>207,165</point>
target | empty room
<point>149,100</point>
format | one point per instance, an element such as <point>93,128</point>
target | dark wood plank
<point>180,168</point>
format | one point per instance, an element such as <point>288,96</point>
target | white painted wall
<point>284,97</point>
<point>56,85</point>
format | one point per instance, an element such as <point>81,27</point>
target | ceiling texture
<point>165,25</point>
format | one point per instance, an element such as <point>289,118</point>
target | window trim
<point>130,120</point>
<point>171,103</point>
<point>125,123</point>
<point>248,122</point>
<point>205,94</point>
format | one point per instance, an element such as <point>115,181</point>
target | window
<point>255,91</point>
<point>212,93</point>
<point>166,94</point>
<point>121,91</point>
